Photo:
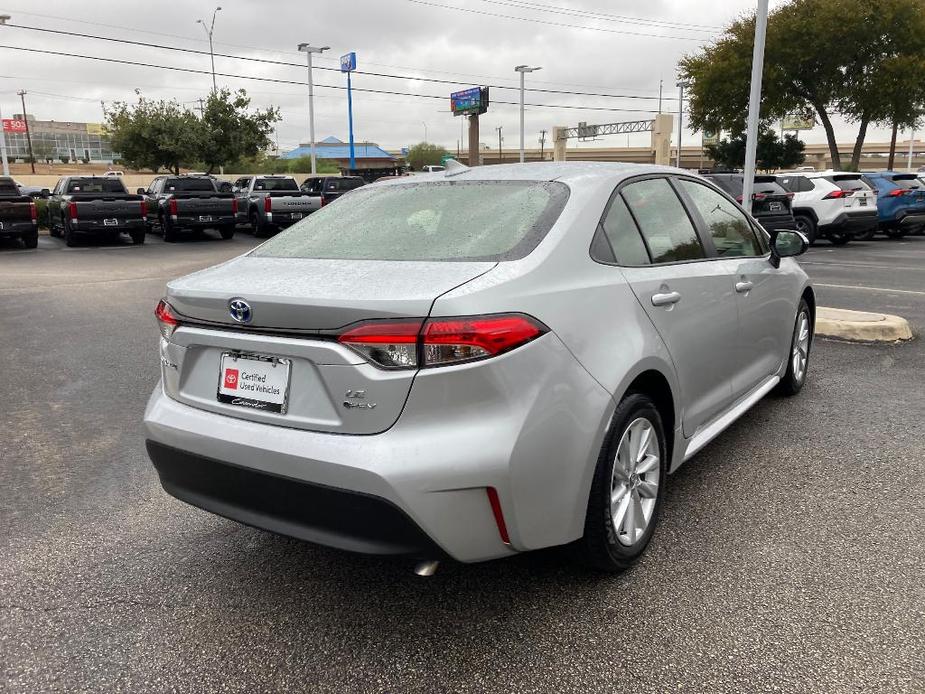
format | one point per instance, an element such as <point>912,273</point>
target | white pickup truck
<point>272,203</point>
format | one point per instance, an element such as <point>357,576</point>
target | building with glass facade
<point>54,140</point>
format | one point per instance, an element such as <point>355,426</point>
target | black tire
<point>866,235</point>
<point>227,232</point>
<point>31,240</point>
<point>170,234</point>
<point>895,233</point>
<point>600,547</point>
<point>256,226</point>
<point>839,238</point>
<point>70,236</point>
<point>806,226</point>
<point>792,382</point>
<point>53,228</point>
<point>138,237</point>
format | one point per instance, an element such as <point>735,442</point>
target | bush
<point>41,207</point>
<point>65,159</point>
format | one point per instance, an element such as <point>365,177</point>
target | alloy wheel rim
<point>634,482</point>
<point>800,354</point>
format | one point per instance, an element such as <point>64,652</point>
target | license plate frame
<point>776,206</point>
<point>863,201</point>
<point>205,218</point>
<point>240,359</point>
<point>110,222</point>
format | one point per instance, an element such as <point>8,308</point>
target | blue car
<point>900,202</point>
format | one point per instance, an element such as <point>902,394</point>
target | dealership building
<point>57,139</point>
<point>370,158</point>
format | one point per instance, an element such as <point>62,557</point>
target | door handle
<point>665,299</point>
<point>742,287</point>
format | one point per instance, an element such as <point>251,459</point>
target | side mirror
<point>141,191</point>
<point>45,193</point>
<point>787,244</point>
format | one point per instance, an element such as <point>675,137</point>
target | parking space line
<point>870,289</point>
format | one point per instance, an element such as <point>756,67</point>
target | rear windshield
<point>95,185</point>
<point>769,186</point>
<point>909,182</point>
<point>848,182</point>
<point>276,184</point>
<point>8,188</point>
<point>444,221</point>
<point>730,184</point>
<point>189,184</point>
<point>342,184</point>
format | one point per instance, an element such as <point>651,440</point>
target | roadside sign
<point>710,137</point>
<point>445,158</point>
<point>348,63</point>
<point>797,122</point>
<point>468,102</point>
<point>14,125</point>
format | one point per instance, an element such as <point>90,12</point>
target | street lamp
<point>309,49</point>
<point>425,130</point>
<point>682,85</point>
<point>211,51</point>
<point>522,69</point>
<point>754,105</point>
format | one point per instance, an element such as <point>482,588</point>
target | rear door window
<point>728,226</point>
<point>276,184</point>
<point>663,221</point>
<point>621,231</point>
<point>846,182</point>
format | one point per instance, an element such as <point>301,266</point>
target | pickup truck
<point>18,217</point>
<point>190,203</point>
<point>93,205</point>
<point>326,189</point>
<point>272,203</point>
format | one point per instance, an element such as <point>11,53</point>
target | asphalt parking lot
<point>789,558</point>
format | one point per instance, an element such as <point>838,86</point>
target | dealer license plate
<point>254,381</point>
<point>776,207</point>
<point>110,222</point>
<point>205,218</point>
<point>297,215</point>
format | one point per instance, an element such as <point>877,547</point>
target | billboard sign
<point>14,125</point>
<point>469,102</point>
<point>710,137</point>
<point>797,122</point>
<point>348,63</point>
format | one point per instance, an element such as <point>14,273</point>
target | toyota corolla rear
<point>316,387</point>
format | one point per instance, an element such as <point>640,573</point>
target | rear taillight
<point>268,204</point>
<point>895,193</point>
<point>167,319</point>
<point>33,212</point>
<point>234,206</point>
<point>790,195</point>
<point>72,210</point>
<point>324,201</point>
<point>144,209</point>
<point>404,344</point>
<point>172,207</point>
<point>759,196</point>
<point>838,194</point>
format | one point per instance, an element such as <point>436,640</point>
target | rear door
<point>687,295</point>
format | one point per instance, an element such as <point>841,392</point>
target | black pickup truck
<point>190,203</point>
<point>95,205</point>
<point>18,218</point>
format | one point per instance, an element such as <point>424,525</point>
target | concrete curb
<point>858,326</point>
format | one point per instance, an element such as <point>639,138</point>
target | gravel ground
<point>790,555</point>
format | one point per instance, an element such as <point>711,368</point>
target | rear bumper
<point>91,226</point>
<point>193,222</point>
<point>463,429</point>
<point>911,220</point>
<point>779,222</point>
<point>851,222</point>
<point>281,220</point>
<point>16,229</point>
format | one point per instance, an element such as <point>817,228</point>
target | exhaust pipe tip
<point>426,568</point>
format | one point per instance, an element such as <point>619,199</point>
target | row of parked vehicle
<point>838,206</point>
<point>171,205</point>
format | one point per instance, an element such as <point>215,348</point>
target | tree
<point>43,150</point>
<point>423,154</point>
<point>154,134</point>
<point>230,132</point>
<point>772,152</point>
<point>822,57</point>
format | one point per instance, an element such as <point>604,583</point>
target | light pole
<point>499,142</point>
<point>754,105</point>
<point>4,18</point>
<point>211,51</point>
<point>911,148</point>
<point>309,49</point>
<point>682,85</point>
<point>523,69</point>
<point>348,63</point>
<point>425,130</point>
<point>25,118</point>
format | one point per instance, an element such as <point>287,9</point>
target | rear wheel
<point>170,233</point>
<point>53,228</point>
<point>800,344</point>
<point>31,240</point>
<point>627,489</point>
<point>839,238</point>
<point>895,233</point>
<point>806,226</point>
<point>138,237</point>
<point>866,235</point>
<point>227,231</point>
<point>70,236</point>
<point>256,226</point>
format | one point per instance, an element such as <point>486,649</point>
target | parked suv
<point>503,359</point>
<point>831,204</point>
<point>770,202</point>
<point>900,203</point>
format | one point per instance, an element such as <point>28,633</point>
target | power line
<point>120,61</point>
<point>555,24</point>
<point>433,80</point>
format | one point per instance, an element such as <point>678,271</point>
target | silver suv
<point>477,363</point>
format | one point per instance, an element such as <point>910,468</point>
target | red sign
<point>12,125</point>
<point>231,379</point>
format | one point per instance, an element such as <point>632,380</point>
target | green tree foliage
<point>862,60</point>
<point>423,154</point>
<point>230,131</point>
<point>154,134</point>
<point>772,152</point>
<point>262,164</point>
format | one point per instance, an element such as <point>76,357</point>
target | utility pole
<point>309,49</point>
<point>892,160</point>
<point>660,95</point>
<point>754,105</point>
<point>911,147</point>
<point>6,163</point>
<point>202,109</point>
<point>522,69</point>
<point>499,143</point>
<point>542,143</point>
<point>681,86</point>
<point>25,117</point>
<point>211,50</point>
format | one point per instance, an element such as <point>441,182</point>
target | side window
<point>806,185</point>
<point>728,226</point>
<point>620,229</point>
<point>664,224</point>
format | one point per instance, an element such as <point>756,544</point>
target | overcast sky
<point>624,49</point>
